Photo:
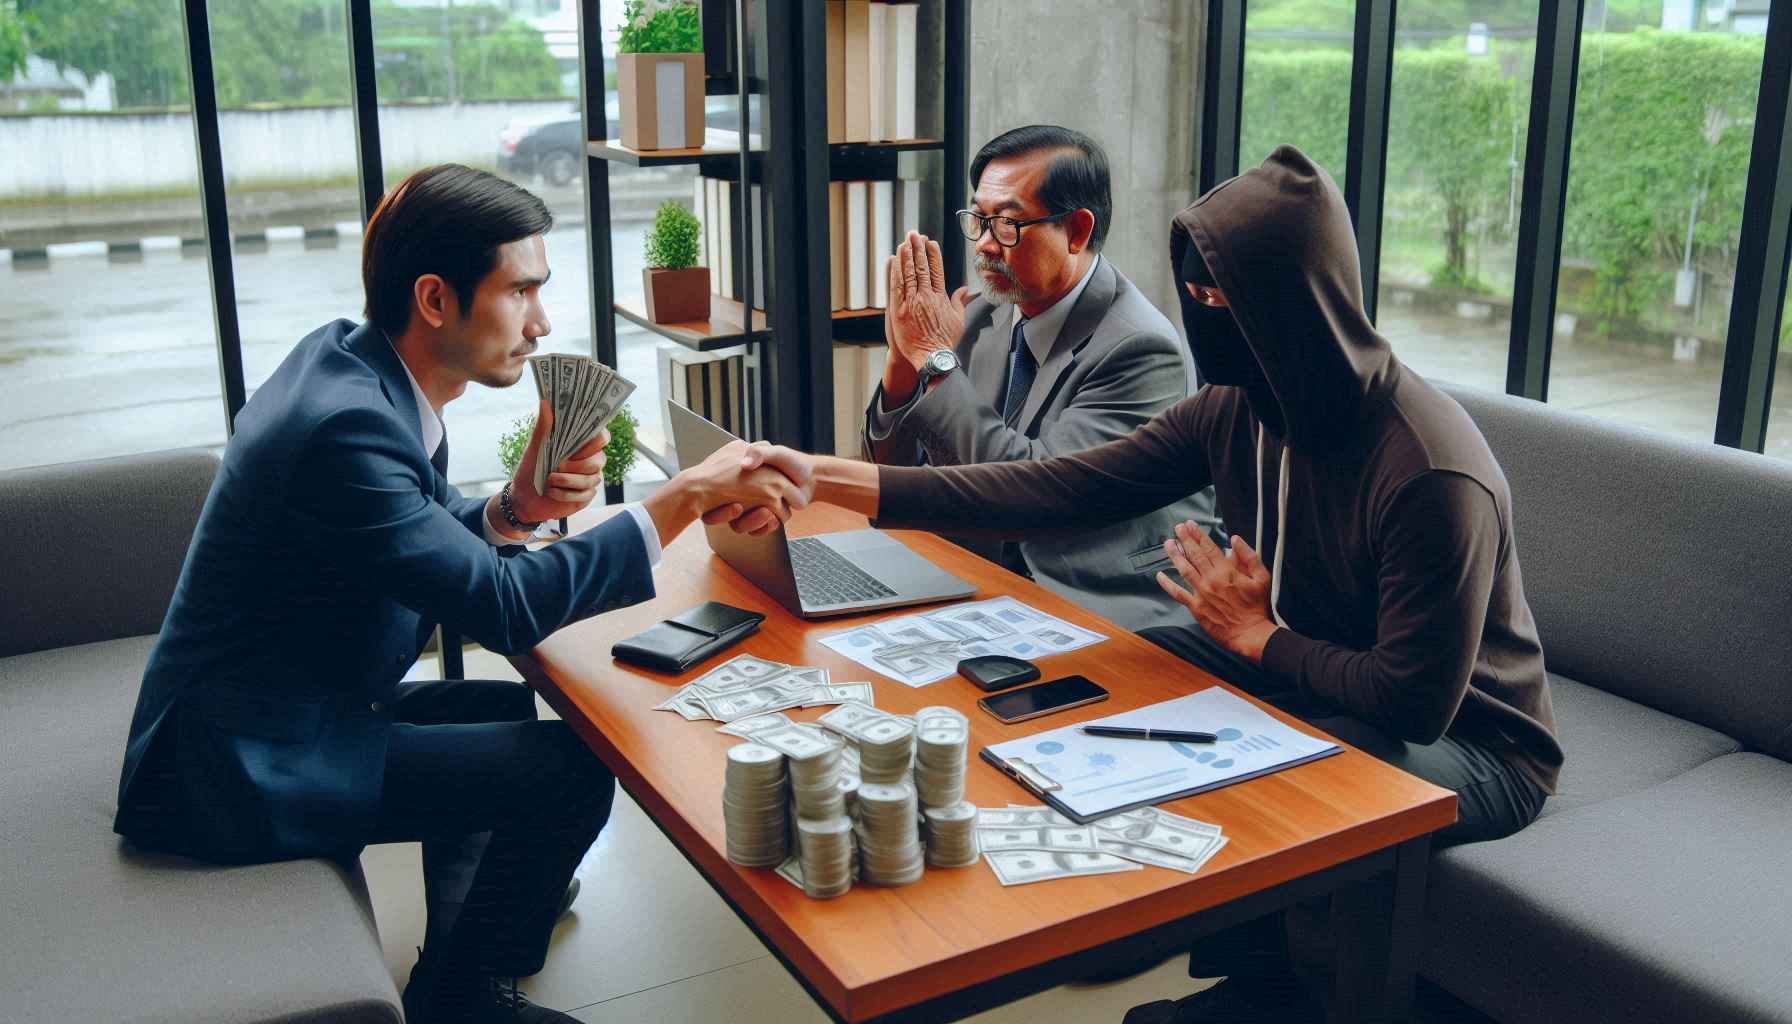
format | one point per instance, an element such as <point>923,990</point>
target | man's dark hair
<point>447,220</point>
<point>1076,179</point>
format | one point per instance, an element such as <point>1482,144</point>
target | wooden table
<point>958,942</point>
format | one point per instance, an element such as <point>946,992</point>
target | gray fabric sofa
<point>1657,885</point>
<point>97,930</point>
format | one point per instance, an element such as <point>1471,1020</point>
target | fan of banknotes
<point>1037,844</point>
<point>584,394</point>
<point>747,686</point>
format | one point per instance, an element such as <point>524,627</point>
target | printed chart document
<point>1088,777</point>
<point>925,648</point>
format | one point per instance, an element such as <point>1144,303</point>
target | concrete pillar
<point>1125,73</point>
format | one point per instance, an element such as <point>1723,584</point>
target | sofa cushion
<point>100,931</point>
<point>1668,904</point>
<point>1616,746</point>
<point>111,575</point>
<point>1651,563</point>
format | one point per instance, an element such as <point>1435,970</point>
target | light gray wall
<point>1125,73</point>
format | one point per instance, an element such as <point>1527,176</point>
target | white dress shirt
<point>434,431</point>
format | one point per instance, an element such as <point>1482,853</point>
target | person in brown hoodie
<point>1377,592</point>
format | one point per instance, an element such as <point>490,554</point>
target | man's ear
<point>435,301</point>
<point>1079,226</point>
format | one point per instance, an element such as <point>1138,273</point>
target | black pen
<point>1123,732</point>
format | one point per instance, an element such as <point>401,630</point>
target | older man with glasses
<point>1059,353</point>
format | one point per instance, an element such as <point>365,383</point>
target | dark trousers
<point>1493,799</point>
<point>505,807</point>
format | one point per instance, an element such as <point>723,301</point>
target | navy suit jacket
<point>328,549</point>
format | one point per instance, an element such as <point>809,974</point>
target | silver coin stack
<point>825,848</point>
<point>940,744</point>
<point>754,806</point>
<point>951,835</point>
<point>886,749</point>
<point>889,842</point>
<point>815,782</point>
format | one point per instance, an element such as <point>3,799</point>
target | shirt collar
<point>427,420</point>
<point>1042,330</point>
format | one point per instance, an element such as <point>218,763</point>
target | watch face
<point>942,361</point>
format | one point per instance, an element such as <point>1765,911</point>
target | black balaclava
<point>1222,355</point>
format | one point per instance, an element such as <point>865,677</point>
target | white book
<point>734,370</point>
<point>883,239</point>
<point>759,249</point>
<point>725,235</point>
<point>908,207</point>
<point>899,69</point>
<point>700,207</point>
<point>875,70</point>
<point>858,245</point>
<point>712,233</point>
<point>849,401</point>
<point>871,369</point>
<point>663,360</point>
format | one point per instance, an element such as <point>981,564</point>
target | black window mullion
<point>364,85</point>
<point>1222,92</point>
<point>601,287</point>
<point>1366,153</point>
<point>1756,306</point>
<point>1544,199</point>
<point>956,129</point>
<point>217,214</point>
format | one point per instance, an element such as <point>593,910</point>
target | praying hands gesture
<point>921,317</point>
<point>1228,596</point>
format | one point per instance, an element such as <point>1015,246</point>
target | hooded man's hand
<point>1229,597</point>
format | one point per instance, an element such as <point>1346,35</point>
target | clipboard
<point>1034,774</point>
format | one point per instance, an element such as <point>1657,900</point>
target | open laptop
<point>833,574</point>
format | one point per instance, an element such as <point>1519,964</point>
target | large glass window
<point>1456,138</point>
<point>288,139</point>
<point>1297,80</point>
<point>106,338</point>
<point>1663,121</point>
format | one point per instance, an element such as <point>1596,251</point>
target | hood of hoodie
<point>1277,240</point>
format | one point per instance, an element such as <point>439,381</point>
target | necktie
<point>1021,370</point>
<point>440,458</point>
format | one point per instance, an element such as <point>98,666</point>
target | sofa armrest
<point>91,550</point>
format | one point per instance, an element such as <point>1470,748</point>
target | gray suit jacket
<point>1116,363</point>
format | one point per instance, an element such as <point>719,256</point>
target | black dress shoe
<point>572,893</point>
<point>1234,1001</point>
<point>428,999</point>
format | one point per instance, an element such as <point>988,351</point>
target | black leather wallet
<point>684,640</point>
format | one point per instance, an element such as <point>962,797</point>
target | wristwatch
<point>940,363</point>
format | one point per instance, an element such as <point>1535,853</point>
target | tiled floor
<point>648,941</point>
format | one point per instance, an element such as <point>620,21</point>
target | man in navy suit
<point>272,722</point>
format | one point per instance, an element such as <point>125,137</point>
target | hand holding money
<point>569,486</point>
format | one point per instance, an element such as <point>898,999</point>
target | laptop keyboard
<point>827,577</point>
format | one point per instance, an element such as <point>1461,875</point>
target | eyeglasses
<point>1006,230</point>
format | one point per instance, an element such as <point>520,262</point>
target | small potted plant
<point>676,287</point>
<point>659,74</point>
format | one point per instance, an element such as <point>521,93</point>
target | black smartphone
<point>1034,701</point>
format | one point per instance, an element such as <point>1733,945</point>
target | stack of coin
<point>889,842</point>
<point>951,835</point>
<point>940,745</point>
<point>815,782</point>
<point>754,810</point>
<point>825,846</point>
<point>886,748</point>
<point>849,792</point>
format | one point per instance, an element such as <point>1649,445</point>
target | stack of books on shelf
<point>719,386</point>
<point>865,221</point>
<point>858,370</point>
<point>871,70</point>
<point>715,203</point>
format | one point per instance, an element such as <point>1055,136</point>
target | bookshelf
<point>788,345</point>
